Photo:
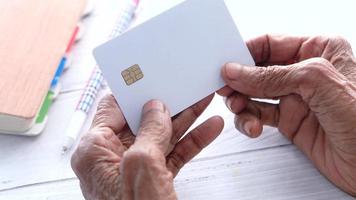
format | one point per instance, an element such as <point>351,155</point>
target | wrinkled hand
<point>315,81</point>
<point>112,164</point>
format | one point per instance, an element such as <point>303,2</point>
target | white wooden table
<point>233,167</point>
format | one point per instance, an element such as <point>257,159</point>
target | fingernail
<point>228,102</point>
<point>232,70</point>
<point>154,105</point>
<point>248,128</point>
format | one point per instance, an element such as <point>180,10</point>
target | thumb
<point>143,168</point>
<point>274,81</point>
<point>156,127</point>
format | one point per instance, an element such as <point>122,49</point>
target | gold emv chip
<point>132,74</point>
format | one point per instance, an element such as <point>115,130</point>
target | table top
<point>234,166</point>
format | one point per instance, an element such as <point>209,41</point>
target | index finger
<point>183,121</point>
<point>109,115</point>
<point>275,50</point>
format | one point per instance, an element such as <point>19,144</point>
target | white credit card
<point>175,57</point>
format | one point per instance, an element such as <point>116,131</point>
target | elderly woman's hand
<point>315,81</point>
<point>112,164</point>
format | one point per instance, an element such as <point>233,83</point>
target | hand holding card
<point>176,57</point>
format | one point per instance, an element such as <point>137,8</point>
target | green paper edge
<point>45,108</point>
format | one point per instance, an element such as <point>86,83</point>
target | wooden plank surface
<point>276,173</point>
<point>34,36</point>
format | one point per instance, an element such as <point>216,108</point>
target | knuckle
<point>270,78</point>
<point>86,150</point>
<point>153,125</point>
<point>196,139</point>
<point>264,76</point>
<point>105,103</point>
<point>316,76</point>
<point>320,65</point>
<point>177,160</point>
<point>340,43</point>
<point>75,161</point>
<point>197,109</point>
<point>143,157</point>
<point>105,107</point>
<point>275,73</point>
<point>138,155</point>
<point>315,70</point>
<point>78,160</point>
<point>329,47</point>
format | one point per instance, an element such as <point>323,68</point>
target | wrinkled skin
<point>315,80</point>
<point>112,164</point>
